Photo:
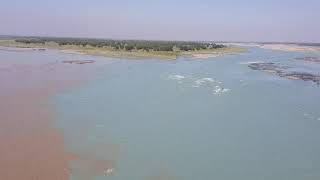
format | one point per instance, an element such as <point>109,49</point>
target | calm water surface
<point>196,119</point>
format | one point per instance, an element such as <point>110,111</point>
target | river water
<point>194,119</point>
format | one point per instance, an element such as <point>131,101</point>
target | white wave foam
<point>251,62</point>
<point>177,77</point>
<point>201,82</point>
<point>109,171</point>
<point>311,116</point>
<point>208,79</point>
<point>220,90</point>
<point>226,90</point>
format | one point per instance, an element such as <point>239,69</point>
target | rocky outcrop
<point>284,71</point>
<point>309,59</point>
<point>78,61</point>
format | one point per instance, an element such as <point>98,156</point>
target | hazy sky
<point>221,20</point>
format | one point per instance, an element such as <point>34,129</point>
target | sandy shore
<point>30,145</point>
<point>218,53</point>
<point>291,47</point>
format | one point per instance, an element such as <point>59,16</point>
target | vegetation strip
<point>125,48</point>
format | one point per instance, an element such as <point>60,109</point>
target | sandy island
<point>107,52</point>
<point>291,47</point>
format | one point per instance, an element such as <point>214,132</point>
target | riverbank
<point>205,54</point>
<point>132,54</point>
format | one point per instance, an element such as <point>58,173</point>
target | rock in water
<point>284,71</point>
<point>79,61</point>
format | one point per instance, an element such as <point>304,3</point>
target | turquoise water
<point>196,119</point>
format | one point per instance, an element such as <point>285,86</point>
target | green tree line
<point>127,45</point>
